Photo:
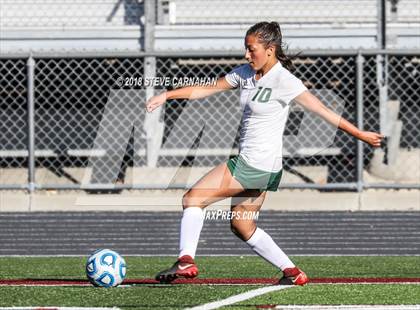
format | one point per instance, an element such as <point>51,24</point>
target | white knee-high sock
<point>262,244</point>
<point>191,225</point>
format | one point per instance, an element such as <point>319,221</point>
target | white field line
<point>351,307</point>
<point>212,255</point>
<point>203,284</point>
<point>56,308</point>
<point>241,297</point>
<point>47,285</point>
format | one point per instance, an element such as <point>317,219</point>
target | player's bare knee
<point>189,200</point>
<point>186,200</point>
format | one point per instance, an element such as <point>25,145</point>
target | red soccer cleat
<point>293,276</point>
<point>184,267</point>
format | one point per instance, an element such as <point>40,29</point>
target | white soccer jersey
<point>265,103</point>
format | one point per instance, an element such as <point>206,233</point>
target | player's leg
<point>243,225</point>
<point>216,185</point>
<point>247,203</point>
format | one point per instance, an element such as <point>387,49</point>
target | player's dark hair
<point>269,33</point>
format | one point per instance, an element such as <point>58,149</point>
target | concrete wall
<point>170,200</point>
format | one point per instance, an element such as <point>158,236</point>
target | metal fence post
<point>381,24</point>
<point>31,123</point>
<point>381,65</point>
<point>149,25</point>
<point>153,126</point>
<point>359,109</point>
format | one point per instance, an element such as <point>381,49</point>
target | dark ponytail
<point>270,34</point>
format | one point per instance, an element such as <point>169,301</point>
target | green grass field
<point>179,296</point>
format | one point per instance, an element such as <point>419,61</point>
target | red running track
<point>209,281</point>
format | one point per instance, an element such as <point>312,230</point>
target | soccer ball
<point>105,268</point>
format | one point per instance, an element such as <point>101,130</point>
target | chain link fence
<point>91,129</point>
<point>70,99</point>
<point>13,122</point>
<point>400,160</point>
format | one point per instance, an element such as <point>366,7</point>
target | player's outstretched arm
<point>189,92</point>
<point>313,104</point>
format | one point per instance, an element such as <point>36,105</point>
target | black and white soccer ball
<point>106,268</point>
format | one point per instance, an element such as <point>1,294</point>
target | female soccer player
<point>267,88</point>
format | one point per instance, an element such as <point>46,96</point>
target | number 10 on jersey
<point>262,95</point>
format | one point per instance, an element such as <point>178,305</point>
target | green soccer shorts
<point>252,178</point>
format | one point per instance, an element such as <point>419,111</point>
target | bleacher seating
<point>112,13</point>
<point>285,11</point>
<point>66,14</point>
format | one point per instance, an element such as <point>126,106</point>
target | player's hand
<point>372,138</point>
<point>155,102</point>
